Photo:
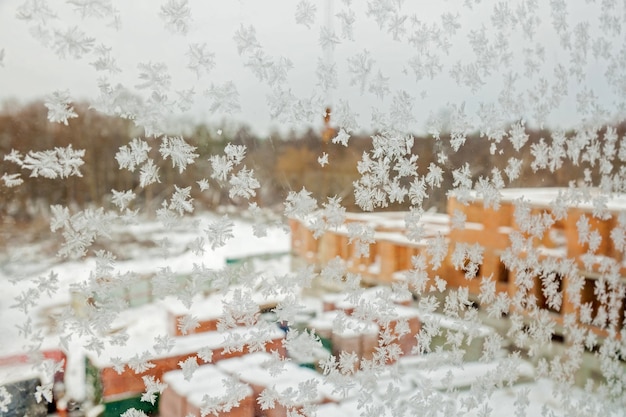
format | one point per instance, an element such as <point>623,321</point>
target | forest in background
<point>281,163</point>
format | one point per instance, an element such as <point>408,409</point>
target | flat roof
<point>546,196</point>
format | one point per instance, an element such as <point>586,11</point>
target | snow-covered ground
<point>148,247</point>
<point>143,248</point>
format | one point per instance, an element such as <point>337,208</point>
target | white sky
<point>32,70</point>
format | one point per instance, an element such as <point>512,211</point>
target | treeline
<point>281,163</point>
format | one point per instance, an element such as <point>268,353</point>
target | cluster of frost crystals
<point>176,15</point>
<point>58,106</point>
<point>53,163</point>
<point>389,173</point>
<point>499,71</point>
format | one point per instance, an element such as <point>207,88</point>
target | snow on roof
<point>545,196</point>
<point>457,325</point>
<point>402,239</point>
<point>203,377</point>
<point>322,326</point>
<point>501,402</point>
<point>474,226</point>
<point>286,385</point>
<point>260,376</point>
<point>19,372</point>
<point>289,378</point>
<point>354,408</point>
<point>354,328</point>
<point>505,230</point>
<point>559,252</point>
<point>330,410</point>
<point>314,356</point>
<point>374,293</point>
<point>217,388</point>
<point>143,324</point>
<point>396,218</point>
<point>540,396</point>
<point>388,221</point>
<point>447,377</point>
<point>201,307</point>
<point>239,363</point>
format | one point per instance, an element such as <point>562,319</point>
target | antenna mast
<point>328,131</point>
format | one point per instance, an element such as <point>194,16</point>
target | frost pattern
<point>53,163</point>
<point>305,13</point>
<point>503,50</point>
<point>59,109</point>
<point>177,15</point>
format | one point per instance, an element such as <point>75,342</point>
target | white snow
<point>146,322</point>
<point>143,323</point>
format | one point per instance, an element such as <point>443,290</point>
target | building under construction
<point>539,257</point>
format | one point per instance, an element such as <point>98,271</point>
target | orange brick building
<point>595,266</point>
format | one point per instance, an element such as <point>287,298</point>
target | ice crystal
<point>179,151</point>
<point>220,231</point>
<point>305,13</point>
<point>177,16</point>
<point>59,109</point>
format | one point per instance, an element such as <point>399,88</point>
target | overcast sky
<point>31,70</point>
